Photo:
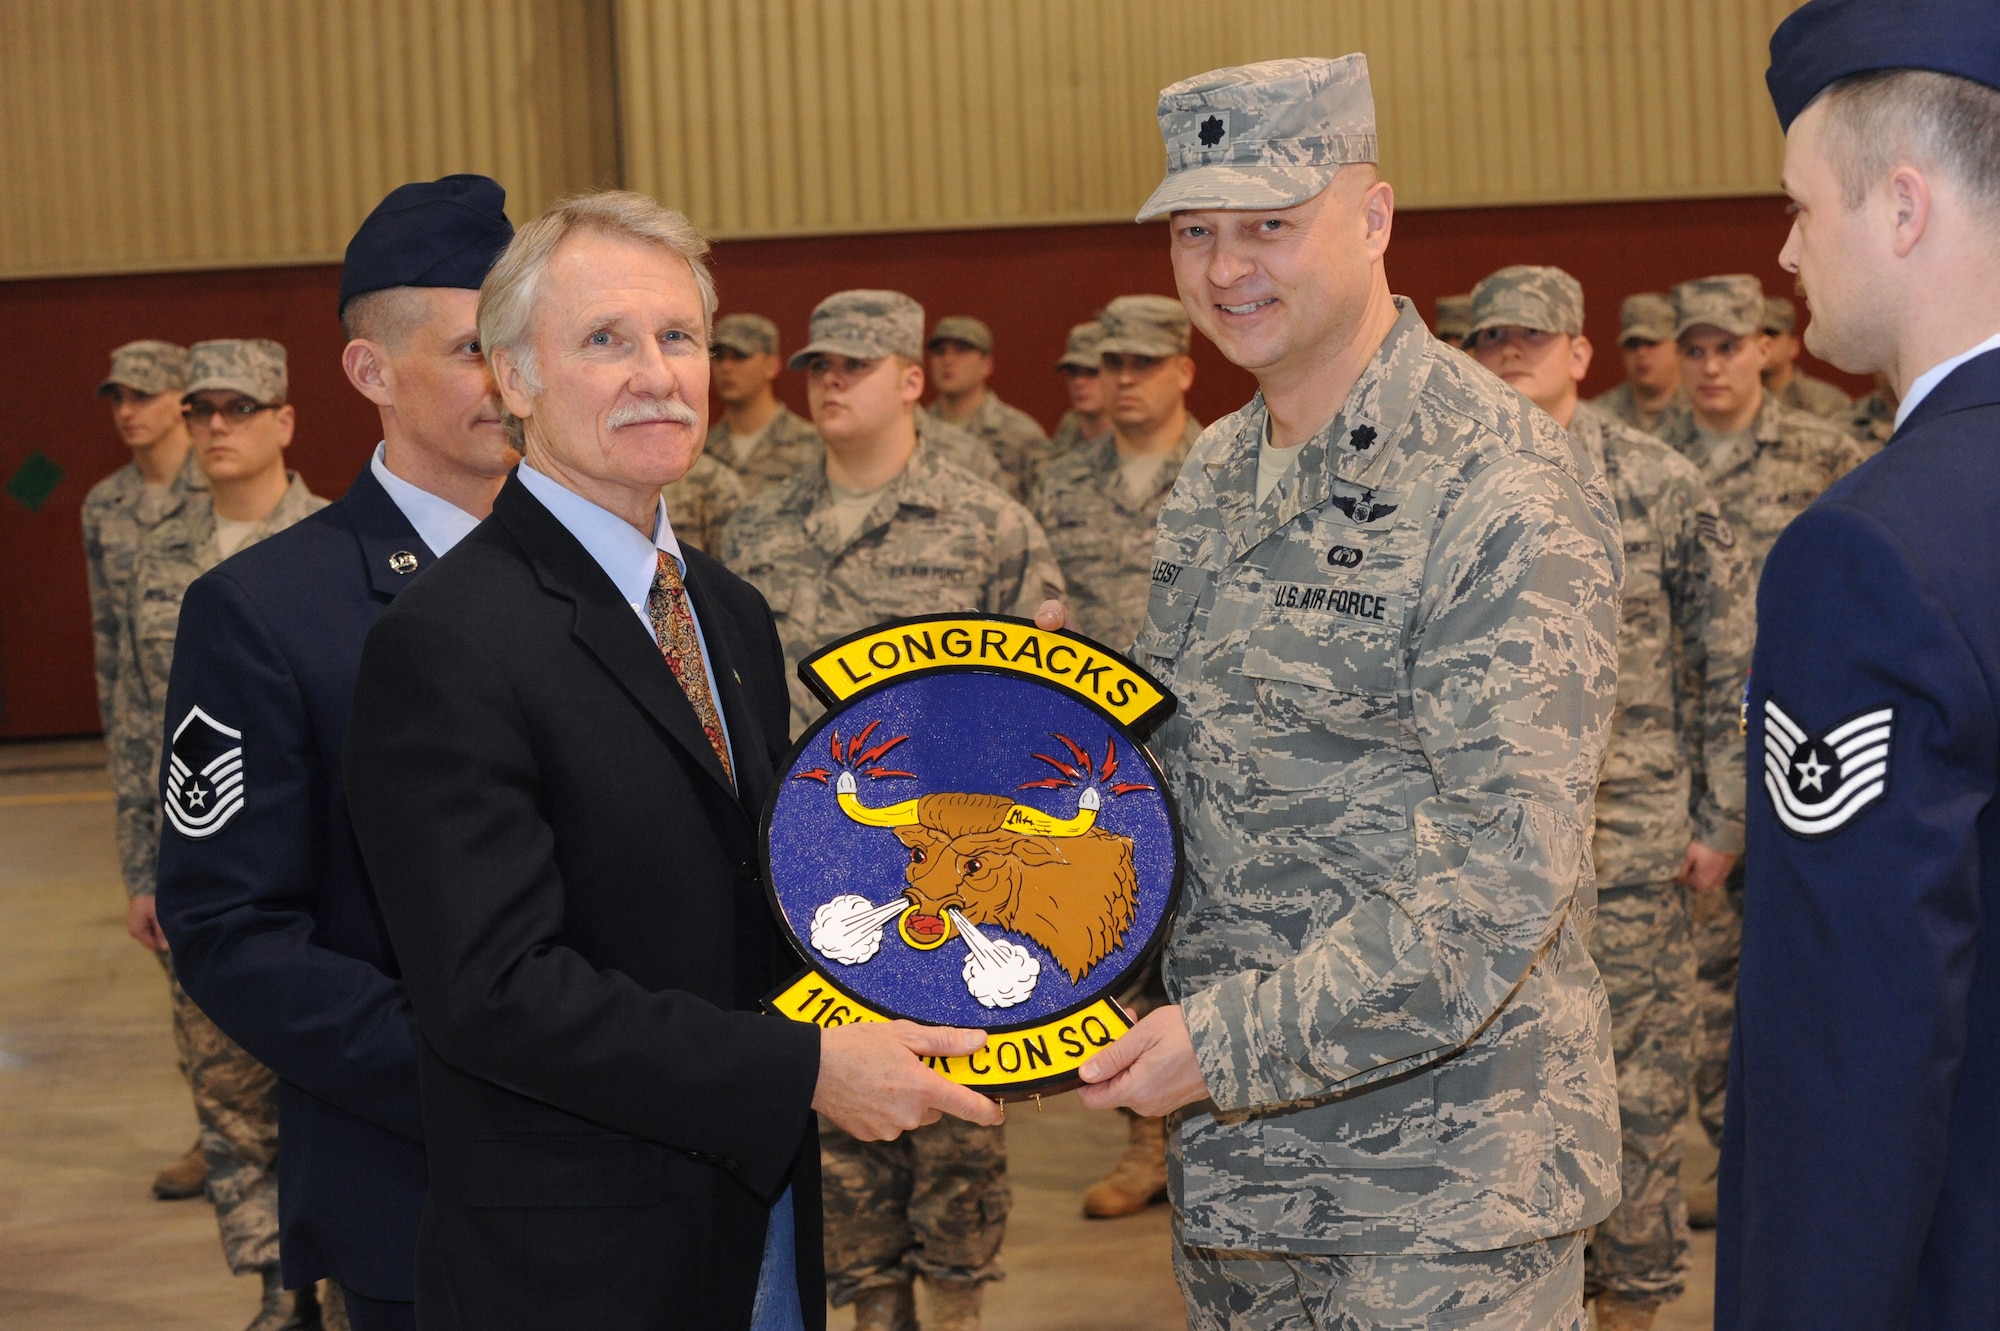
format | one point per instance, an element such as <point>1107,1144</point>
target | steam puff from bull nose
<point>997,972</point>
<point>848,929</point>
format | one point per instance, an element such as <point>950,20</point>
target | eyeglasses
<point>234,412</point>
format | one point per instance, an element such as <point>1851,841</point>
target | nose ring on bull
<point>1020,818</point>
<point>924,932</point>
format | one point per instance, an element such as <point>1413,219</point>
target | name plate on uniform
<point>975,835</point>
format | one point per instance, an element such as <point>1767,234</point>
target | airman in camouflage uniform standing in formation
<point>1687,594</point>
<point>1085,419</point>
<point>1763,463</point>
<point>144,386</point>
<point>1651,391</point>
<point>241,425</point>
<point>961,362</point>
<point>885,528</point>
<point>1872,418</point>
<point>759,438</point>
<point>1387,599</point>
<point>1783,378</point>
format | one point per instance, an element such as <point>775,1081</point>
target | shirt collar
<point>627,558</point>
<point>441,523</point>
<point>1936,374</point>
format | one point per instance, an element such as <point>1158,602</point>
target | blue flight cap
<point>432,233</point>
<point>1827,40</point>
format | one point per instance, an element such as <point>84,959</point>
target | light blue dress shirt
<point>441,523</point>
<point>631,561</point>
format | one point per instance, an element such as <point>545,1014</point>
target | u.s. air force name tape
<point>1008,1067</point>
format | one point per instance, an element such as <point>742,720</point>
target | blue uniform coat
<point>1860,1182</point>
<point>273,924</point>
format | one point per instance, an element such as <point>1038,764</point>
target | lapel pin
<point>403,562</point>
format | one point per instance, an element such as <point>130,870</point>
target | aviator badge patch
<point>975,836</point>
<point>1817,783</point>
<point>204,775</point>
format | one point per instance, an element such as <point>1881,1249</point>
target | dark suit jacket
<point>274,927</point>
<point>1861,1153</point>
<point>571,888</point>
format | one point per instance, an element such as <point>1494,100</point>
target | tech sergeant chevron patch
<point>1818,783</point>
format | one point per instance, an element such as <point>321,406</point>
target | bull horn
<point>890,815</point>
<point>1033,822</point>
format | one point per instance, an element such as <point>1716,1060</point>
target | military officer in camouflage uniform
<point>1085,419</point>
<point>1687,592</point>
<point>144,388</point>
<point>759,438</point>
<point>1764,463</point>
<point>1454,318</point>
<point>1386,595</point>
<point>241,425</point>
<point>1652,387</point>
<point>1782,376</point>
<point>961,362</point>
<point>884,528</point>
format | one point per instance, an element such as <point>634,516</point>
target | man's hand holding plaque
<point>873,1086</point>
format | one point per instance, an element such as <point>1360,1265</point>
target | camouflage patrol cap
<point>1646,317</point>
<point>963,328</point>
<point>1081,349</point>
<point>866,325</point>
<point>1734,303</point>
<point>1144,326</point>
<point>746,334</point>
<point>1780,315</point>
<point>148,366</point>
<point>252,366</point>
<point>1545,299</point>
<point>1268,135</point>
<point>1454,317</point>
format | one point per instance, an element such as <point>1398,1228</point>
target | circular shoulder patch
<point>974,835</point>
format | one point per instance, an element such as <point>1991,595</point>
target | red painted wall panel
<point>1030,285</point>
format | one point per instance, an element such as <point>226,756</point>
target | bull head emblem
<point>984,859</point>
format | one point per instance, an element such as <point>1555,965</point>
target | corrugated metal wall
<point>158,134</point>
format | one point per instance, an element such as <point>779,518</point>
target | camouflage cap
<point>1081,349</point>
<point>252,366</point>
<point>1268,135</point>
<point>1454,316</point>
<point>1144,326</point>
<point>1646,317</point>
<point>1780,315</point>
<point>963,328</point>
<point>746,334</point>
<point>1522,295</point>
<point>148,366</point>
<point>866,325</point>
<point>1734,303</point>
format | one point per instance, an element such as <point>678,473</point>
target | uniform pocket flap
<point>565,1171</point>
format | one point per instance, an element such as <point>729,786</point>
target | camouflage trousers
<point>933,1202</point>
<point>1643,948</point>
<point>1531,1287</point>
<point>236,1103</point>
<point>1718,938</point>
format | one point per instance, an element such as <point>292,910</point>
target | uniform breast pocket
<point>1170,611</point>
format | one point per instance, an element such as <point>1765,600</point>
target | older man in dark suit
<point>561,741</point>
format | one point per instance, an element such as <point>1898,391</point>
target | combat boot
<point>1616,1314</point>
<point>284,1310</point>
<point>185,1177</point>
<point>952,1305</point>
<point>1138,1180</point>
<point>886,1308</point>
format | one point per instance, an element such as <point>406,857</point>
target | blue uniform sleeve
<point>239,896</point>
<point>1873,752</point>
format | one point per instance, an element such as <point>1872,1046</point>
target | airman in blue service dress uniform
<point>272,920</point>
<point>1860,1183</point>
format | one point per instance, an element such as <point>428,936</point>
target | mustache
<point>645,413</point>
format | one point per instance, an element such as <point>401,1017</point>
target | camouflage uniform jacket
<point>1396,679</point>
<point>1069,435</point>
<point>938,539</point>
<point>1871,421</point>
<point>1761,487</point>
<point>175,553</point>
<point>1018,444</point>
<point>790,445</point>
<point>1686,583</point>
<point>1620,403</point>
<point>1805,393</point>
<point>1104,544</point>
<point>117,514</point>
<point>699,503</point>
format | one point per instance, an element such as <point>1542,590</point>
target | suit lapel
<point>746,737</point>
<point>391,550</point>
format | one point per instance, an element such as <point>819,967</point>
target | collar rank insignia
<point>204,776</point>
<point>1818,783</point>
<point>975,835</point>
<point>1362,438</point>
<point>1363,507</point>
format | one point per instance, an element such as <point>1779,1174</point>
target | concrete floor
<point>91,1105</point>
